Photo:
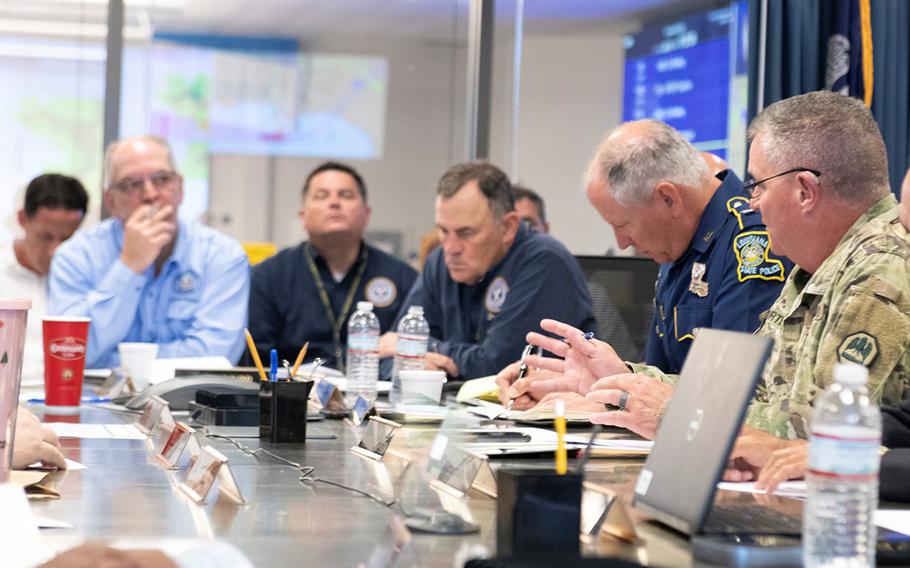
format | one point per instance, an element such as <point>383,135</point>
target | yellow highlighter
<point>559,422</point>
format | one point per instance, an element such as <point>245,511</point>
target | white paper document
<point>612,443</point>
<point>792,489</point>
<point>897,520</point>
<point>99,431</point>
<point>70,465</point>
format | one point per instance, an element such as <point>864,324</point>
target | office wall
<point>571,94</point>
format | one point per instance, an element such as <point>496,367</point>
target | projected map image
<point>202,99</point>
<point>271,103</point>
<point>52,119</point>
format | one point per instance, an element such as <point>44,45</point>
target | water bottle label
<point>411,346</point>
<point>363,342</point>
<point>837,455</point>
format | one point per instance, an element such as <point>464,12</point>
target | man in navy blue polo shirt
<point>307,292</point>
<point>492,280</point>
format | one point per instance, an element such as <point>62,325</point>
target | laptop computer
<point>679,480</point>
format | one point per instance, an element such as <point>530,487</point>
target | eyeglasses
<point>750,187</point>
<point>134,185</point>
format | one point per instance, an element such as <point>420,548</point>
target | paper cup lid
<point>73,319</point>
<point>15,304</point>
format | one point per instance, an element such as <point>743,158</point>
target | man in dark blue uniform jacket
<point>307,292</point>
<point>716,269</point>
<point>492,280</point>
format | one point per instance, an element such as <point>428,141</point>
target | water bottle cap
<point>415,310</point>
<point>364,306</point>
<point>851,374</point>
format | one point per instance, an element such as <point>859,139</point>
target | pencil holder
<point>283,410</point>
<point>538,514</point>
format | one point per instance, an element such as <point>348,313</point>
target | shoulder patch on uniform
<point>860,348</point>
<point>745,216</point>
<point>751,248</point>
<point>381,291</point>
<point>496,295</point>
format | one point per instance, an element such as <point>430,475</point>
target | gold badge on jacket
<point>697,285</point>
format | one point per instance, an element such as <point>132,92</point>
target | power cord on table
<point>306,471</point>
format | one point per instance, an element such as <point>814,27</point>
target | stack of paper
<point>492,411</point>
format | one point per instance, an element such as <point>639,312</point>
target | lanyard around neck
<point>336,321</point>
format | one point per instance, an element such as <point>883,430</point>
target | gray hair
<point>117,144</point>
<point>646,153</point>
<point>493,183</point>
<point>829,132</point>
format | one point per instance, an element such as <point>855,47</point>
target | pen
<point>587,453</point>
<point>587,337</point>
<point>559,421</point>
<point>273,365</point>
<point>299,359</point>
<point>255,353</point>
<point>521,370</point>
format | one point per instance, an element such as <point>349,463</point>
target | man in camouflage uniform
<point>835,216</point>
<point>824,196</point>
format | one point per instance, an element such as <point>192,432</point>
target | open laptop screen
<point>717,382</point>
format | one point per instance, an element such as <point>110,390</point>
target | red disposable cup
<point>13,317</point>
<point>65,340</point>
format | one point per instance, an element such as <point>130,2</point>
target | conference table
<point>126,494</point>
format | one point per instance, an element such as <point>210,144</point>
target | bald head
<point>636,156</point>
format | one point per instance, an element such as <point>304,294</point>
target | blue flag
<point>848,68</point>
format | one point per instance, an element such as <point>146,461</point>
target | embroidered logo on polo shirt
<point>496,295</point>
<point>186,282</point>
<point>381,291</point>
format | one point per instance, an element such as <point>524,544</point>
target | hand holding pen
<point>522,370</point>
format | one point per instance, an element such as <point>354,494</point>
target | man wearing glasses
<point>823,192</point>
<point>145,275</point>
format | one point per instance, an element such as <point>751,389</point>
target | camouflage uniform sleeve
<point>866,322</point>
<point>653,372</point>
<point>872,328</point>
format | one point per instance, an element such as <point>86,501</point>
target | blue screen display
<point>691,73</point>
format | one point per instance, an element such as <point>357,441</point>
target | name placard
<point>211,466</point>
<point>181,436</point>
<point>151,414</point>
<point>329,397</point>
<point>377,435</point>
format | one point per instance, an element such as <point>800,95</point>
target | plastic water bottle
<point>413,337</point>
<point>363,353</point>
<point>838,528</point>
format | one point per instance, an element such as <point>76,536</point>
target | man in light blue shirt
<point>143,275</point>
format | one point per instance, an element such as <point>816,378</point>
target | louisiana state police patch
<point>496,295</point>
<point>751,248</point>
<point>381,291</point>
<point>860,348</point>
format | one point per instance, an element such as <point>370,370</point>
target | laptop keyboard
<point>751,519</point>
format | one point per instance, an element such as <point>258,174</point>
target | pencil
<point>299,359</point>
<point>560,426</point>
<point>255,353</point>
